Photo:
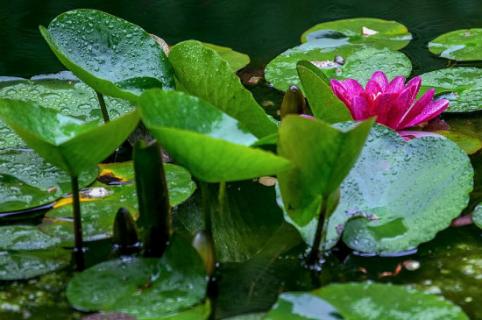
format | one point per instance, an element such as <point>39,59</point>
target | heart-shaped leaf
<point>115,57</point>
<point>204,73</point>
<point>358,63</point>
<point>322,157</point>
<point>210,144</point>
<point>146,288</point>
<point>459,45</point>
<point>28,181</point>
<point>462,86</point>
<point>64,141</point>
<point>373,32</point>
<point>400,194</point>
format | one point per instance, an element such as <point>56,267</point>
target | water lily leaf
<point>236,60</point>
<point>146,288</point>
<point>458,45</point>
<point>322,156</point>
<point>359,64</point>
<point>404,192</point>
<point>210,144</point>
<point>373,32</point>
<point>113,56</point>
<point>469,144</point>
<point>372,301</point>
<point>54,91</point>
<point>64,141</point>
<point>462,86</point>
<point>477,216</point>
<point>26,252</point>
<point>205,74</point>
<point>299,306</point>
<point>28,181</point>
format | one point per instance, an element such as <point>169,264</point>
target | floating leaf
<point>26,252</point>
<point>115,57</point>
<point>203,73</point>
<point>146,288</point>
<point>400,194</point>
<point>458,45</point>
<point>64,141</point>
<point>373,32</point>
<point>299,306</point>
<point>462,86</point>
<point>468,143</point>
<point>236,60</point>
<point>477,216</point>
<point>210,144</point>
<point>359,64</point>
<point>28,181</point>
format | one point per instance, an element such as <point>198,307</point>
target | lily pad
<point>468,143</point>
<point>202,72</point>
<point>146,288</point>
<point>359,64</point>
<point>212,145</point>
<point>371,301</point>
<point>373,32</point>
<point>477,216</point>
<point>236,60</point>
<point>113,56</point>
<point>300,306</point>
<point>458,45</point>
<point>27,181</point>
<point>65,94</point>
<point>26,252</point>
<point>400,194</point>
<point>462,86</point>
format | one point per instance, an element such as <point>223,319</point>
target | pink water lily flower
<point>393,103</point>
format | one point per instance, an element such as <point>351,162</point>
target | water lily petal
<point>382,106</point>
<point>416,109</point>
<point>431,111</point>
<point>380,78</point>
<point>402,104</point>
<point>359,108</point>
<point>340,91</point>
<point>396,85</point>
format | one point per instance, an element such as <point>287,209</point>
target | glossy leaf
<point>459,45</point>
<point>62,92</point>
<point>205,74</point>
<point>322,156</point>
<point>400,194</point>
<point>210,144</point>
<point>115,57</point>
<point>373,32</point>
<point>359,64</point>
<point>462,86</point>
<point>301,306</point>
<point>323,102</point>
<point>64,141</point>
<point>28,181</point>
<point>477,216</point>
<point>469,144</point>
<point>146,288</point>
<point>236,60</point>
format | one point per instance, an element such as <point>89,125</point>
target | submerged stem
<point>79,248</point>
<point>313,256</point>
<point>103,107</point>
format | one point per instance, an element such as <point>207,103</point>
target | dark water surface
<point>452,264</point>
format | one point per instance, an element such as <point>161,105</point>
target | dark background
<point>260,28</point>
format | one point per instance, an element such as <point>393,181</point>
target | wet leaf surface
<point>459,45</point>
<point>359,63</point>
<point>115,57</point>
<point>236,60</point>
<point>378,33</point>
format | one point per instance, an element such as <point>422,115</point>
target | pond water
<point>451,264</point>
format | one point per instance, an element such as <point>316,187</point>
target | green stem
<point>206,209</point>
<point>103,107</point>
<point>313,256</point>
<point>79,248</point>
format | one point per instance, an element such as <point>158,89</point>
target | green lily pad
<point>236,60</point>
<point>359,64</point>
<point>371,301</point>
<point>26,252</point>
<point>146,288</point>
<point>458,45</point>
<point>468,143</point>
<point>212,145</point>
<point>113,56</point>
<point>400,194</point>
<point>27,181</point>
<point>462,86</point>
<point>477,216</point>
<point>64,141</point>
<point>202,72</point>
<point>373,32</point>
<point>300,306</point>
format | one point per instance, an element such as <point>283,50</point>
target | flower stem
<point>79,248</point>
<point>313,256</point>
<point>103,107</point>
